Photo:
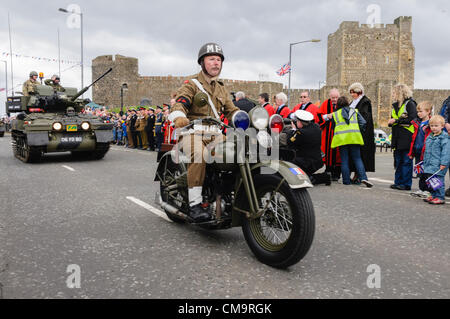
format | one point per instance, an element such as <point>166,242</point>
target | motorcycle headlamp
<point>57,126</point>
<point>85,126</point>
<point>241,120</point>
<point>276,123</point>
<point>259,117</point>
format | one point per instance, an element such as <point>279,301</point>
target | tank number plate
<point>71,139</point>
<point>71,128</point>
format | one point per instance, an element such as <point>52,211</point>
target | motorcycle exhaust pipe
<point>169,208</point>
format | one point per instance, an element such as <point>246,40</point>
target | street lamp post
<point>81,28</point>
<point>122,88</point>
<point>290,64</point>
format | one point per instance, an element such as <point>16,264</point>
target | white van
<point>381,138</point>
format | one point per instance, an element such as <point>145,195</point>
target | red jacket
<point>311,108</point>
<point>269,108</point>
<point>284,111</point>
<point>427,130</point>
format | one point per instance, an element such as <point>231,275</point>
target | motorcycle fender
<point>294,175</point>
<point>37,138</point>
<point>104,136</point>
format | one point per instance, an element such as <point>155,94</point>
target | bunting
<point>38,58</point>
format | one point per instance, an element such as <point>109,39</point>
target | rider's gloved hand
<point>181,122</point>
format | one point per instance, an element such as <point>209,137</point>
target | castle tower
<point>107,91</point>
<point>361,53</point>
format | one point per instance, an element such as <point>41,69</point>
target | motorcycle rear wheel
<point>283,235</point>
<point>171,171</point>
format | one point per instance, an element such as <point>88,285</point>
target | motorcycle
<point>268,198</point>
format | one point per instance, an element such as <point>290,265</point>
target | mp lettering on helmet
<point>213,48</point>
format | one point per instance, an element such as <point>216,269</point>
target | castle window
<point>387,59</point>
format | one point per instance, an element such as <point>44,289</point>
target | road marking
<point>148,207</point>
<point>381,180</point>
<point>69,168</point>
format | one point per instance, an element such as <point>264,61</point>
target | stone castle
<point>378,56</point>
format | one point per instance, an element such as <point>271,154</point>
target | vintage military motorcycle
<point>268,198</point>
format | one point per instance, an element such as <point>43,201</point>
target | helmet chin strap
<point>206,72</point>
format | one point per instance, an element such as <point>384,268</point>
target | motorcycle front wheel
<point>283,234</point>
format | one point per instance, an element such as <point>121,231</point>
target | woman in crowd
<point>364,107</point>
<point>347,136</point>
<point>404,111</point>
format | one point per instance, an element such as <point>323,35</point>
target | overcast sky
<point>166,35</point>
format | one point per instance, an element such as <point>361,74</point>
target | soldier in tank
<point>54,82</point>
<point>29,86</point>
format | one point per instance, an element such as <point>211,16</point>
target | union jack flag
<point>284,69</point>
<point>418,168</point>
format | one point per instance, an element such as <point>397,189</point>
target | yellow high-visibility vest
<point>346,134</point>
<point>398,114</point>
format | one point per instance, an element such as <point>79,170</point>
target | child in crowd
<point>437,157</point>
<point>124,131</point>
<point>421,132</point>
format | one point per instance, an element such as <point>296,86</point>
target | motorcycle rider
<point>186,108</point>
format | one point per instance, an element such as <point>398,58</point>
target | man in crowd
<point>29,86</point>
<point>140,129</point>
<point>242,102</point>
<point>305,139</point>
<point>133,132</point>
<point>149,129</point>
<point>332,157</point>
<point>281,107</point>
<point>54,82</point>
<point>159,128</point>
<point>263,100</point>
<point>129,135</point>
<point>306,105</point>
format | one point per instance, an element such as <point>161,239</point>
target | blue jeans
<point>403,168</point>
<point>354,151</point>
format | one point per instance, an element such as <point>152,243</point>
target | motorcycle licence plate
<point>71,139</point>
<point>71,128</point>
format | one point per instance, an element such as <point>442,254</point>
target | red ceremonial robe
<point>332,157</point>
<point>311,108</point>
<point>269,108</point>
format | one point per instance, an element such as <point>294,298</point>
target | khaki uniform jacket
<point>56,87</point>
<point>216,90</point>
<point>141,123</point>
<point>29,87</point>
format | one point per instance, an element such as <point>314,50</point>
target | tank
<point>51,121</point>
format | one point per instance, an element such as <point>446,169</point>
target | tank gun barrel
<point>87,87</point>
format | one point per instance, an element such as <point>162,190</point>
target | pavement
<point>90,229</point>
